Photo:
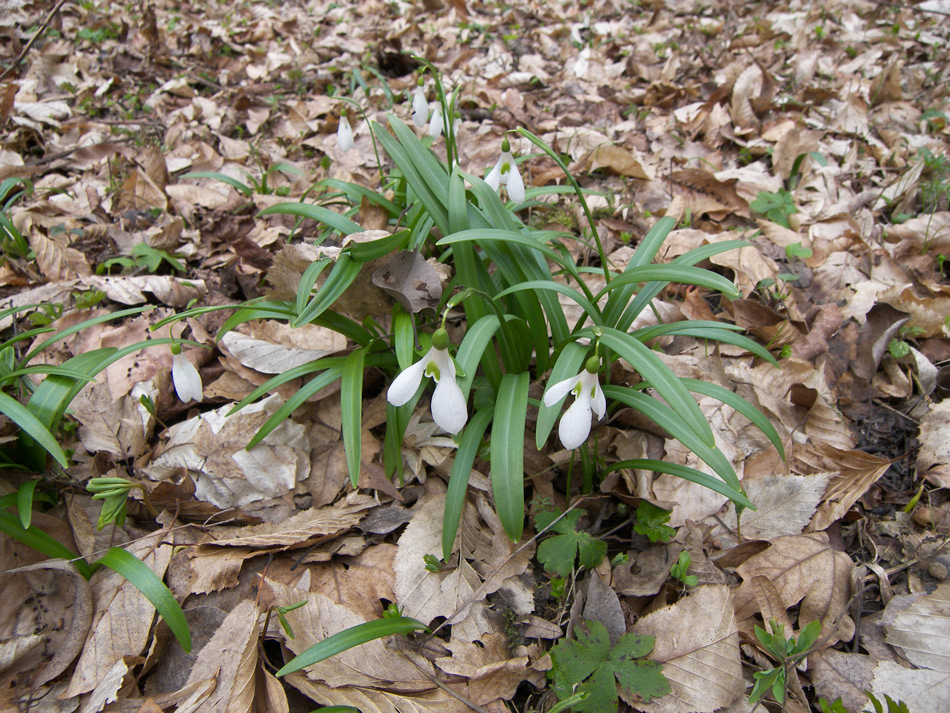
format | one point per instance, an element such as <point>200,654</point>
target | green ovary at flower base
<point>448,403</point>
<point>589,400</point>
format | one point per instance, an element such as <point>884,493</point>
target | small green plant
<point>680,568</point>
<point>899,347</point>
<point>796,251</point>
<point>12,241</point>
<point>558,553</point>
<point>144,257</point>
<point>787,652</point>
<point>892,706</point>
<point>590,665</point>
<point>651,521</point>
<point>776,207</point>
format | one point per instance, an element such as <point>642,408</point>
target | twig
<point>29,45</point>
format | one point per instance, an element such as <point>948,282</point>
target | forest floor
<point>817,132</point>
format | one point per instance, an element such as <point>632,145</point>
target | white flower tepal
<point>344,134</point>
<point>420,108</point>
<point>449,410</point>
<point>186,378</point>
<point>505,172</point>
<point>588,398</point>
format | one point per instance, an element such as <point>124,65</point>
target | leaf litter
<point>664,108</point>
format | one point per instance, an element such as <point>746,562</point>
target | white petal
<point>344,135</point>
<point>448,405</point>
<point>493,178</point>
<point>406,384</point>
<point>186,379</point>
<point>435,125</point>
<point>559,390</point>
<point>420,108</point>
<point>515,185</point>
<point>598,403</point>
<point>575,423</point>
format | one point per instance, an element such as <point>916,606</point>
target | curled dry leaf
<point>933,458</point>
<point>804,569</point>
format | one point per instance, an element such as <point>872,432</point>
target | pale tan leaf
<point>837,674</point>
<point>191,194</point>
<point>368,700</point>
<point>492,672</point>
<point>231,658</point>
<point>107,690</point>
<point>919,625</point>
<point>58,262</point>
<point>129,290</point>
<point>933,458</point>
<point>923,690</point>
<point>698,644</point>
<point>123,617</point>
<point>139,192</point>
<point>784,505</point>
<point>803,568</point>
<point>270,357</point>
<point>271,696</point>
<point>852,474</point>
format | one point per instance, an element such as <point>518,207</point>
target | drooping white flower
<point>505,172</point>
<point>344,134</point>
<point>588,398</point>
<point>186,378</point>
<point>437,124</point>
<point>449,410</point>
<point>420,107</point>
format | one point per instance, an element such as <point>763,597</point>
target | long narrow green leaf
<point>24,502</point>
<point>307,281</point>
<point>41,542</point>
<point>153,588</point>
<point>510,236</point>
<point>365,252</point>
<point>730,398</point>
<point>474,343</point>
<point>354,636</point>
<point>666,418</point>
<point>661,378</point>
<point>355,193</point>
<point>507,452</point>
<point>340,278</point>
<point>296,372</point>
<point>351,411</point>
<point>726,336</point>
<point>76,328</point>
<point>684,274</point>
<point>291,404</point>
<point>458,479</point>
<point>29,424</point>
<point>687,473</point>
<point>568,364</point>
<point>233,182</point>
<point>317,213</point>
<point>589,309</point>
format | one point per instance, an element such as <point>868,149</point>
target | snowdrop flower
<point>438,124</point>
<point>185,377</point>
<point>588,397</point>
<point>344,134</point>
<point>420,107</point>
<point>448,404</point>
<point>506,172</point>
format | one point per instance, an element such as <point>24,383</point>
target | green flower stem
<point>537,141</point>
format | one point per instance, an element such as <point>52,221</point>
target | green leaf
<point>317,213</point>
<point>340,278</point>
<point>233,182</point>
<point>684,274</point>
<point>24,419</point>
<point>507,452</point>
<point>365,252</point>
<point>351,411</point>
<point>730,398</point>
<point>651,521</point>
<point>588,664</point>
<point>458,479</point>
<point>354,636</point>
<point>24,502</point>
<point>41,541</point>
<point>589,309</point>
<point>558,553</point>
<point>153,588</point>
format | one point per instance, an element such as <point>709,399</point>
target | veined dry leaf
<point>369,700</point>
<point>493,673</point>
<point>58,262</point>
<point>120,427</point>
<point>836,674</point>
<point>123,618</point>
<point>190,194</point>
<point>230,657</point>
<point>107,690</point>
<point>296,530</point>
<point>130,290</point>
<point>927,691</point>
<point>933,458</point>
<point>139,192</point>
<point>217,568</point>
<point>374,664</point>
<point>803,568</point>
<point>698,644</point>
<point>784,505</point>
<point>617,159</point>
<point>919,626</point>
<point>276,357</point>
<point>852,473</point>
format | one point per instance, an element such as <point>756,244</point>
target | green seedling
<point>680,568</point>
<point>776,207</point>
<point>651,522</point>
<point>787,652</point>
<point>144,257</point>
<point>590,665</point>
<point>899,346</point>
<point>559,553</point>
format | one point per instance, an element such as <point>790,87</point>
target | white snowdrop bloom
<point>505,172</point>
<point>588,398</point>
<point>448,406</point>
<point>420,108</point>
<point>437,124</point>
<point>344,134</point>
<point>186,378</point>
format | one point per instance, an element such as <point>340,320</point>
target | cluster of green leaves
<point>787,652</point>
<point>144,257</point>
<point>651,522</point>
<point>590,670</point>
<point>12,241</point>
<point>776,207</point>
<point>893,706</point>
<point>558,553</point>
